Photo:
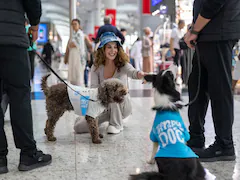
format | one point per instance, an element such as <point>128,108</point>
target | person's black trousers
<point>216,85</point>
<point>15,72</point>
<point>32,62</point>
<point>176,58</point>
<point>4,102</point>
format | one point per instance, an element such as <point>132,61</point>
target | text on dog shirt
<point>171,134</point>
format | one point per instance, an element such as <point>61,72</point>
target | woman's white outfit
<point>77,59</point>
<point>136,54</point>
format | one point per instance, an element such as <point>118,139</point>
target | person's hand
<point>141,74</point>
<point>173,53</point>
<point>33,30</point>
<point>72,45</point>
<point>190,37</point>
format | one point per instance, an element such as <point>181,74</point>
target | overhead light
<point>155,12</point>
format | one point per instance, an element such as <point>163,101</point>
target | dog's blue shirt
<point>171,134</point>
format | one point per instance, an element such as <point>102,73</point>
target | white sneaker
<point>113,130</point>
<point>125,120</point>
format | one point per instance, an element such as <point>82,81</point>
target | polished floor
<point>76,158</point>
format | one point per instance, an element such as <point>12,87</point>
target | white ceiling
<point>57,12</point>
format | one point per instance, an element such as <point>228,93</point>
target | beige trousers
<point>75,68</point>
<point>147,64</point>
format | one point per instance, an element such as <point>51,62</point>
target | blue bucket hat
<point>108,37</point>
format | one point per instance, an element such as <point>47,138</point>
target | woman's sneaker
<point>113,130</point>
<point>3,165</point>
<point>33,161</point>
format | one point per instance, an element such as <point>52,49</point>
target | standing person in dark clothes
<point>47,52</point>
<point>15,73</point>
<point>108,27</point>
<point>216,29</point>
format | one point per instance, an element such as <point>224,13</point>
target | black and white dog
<point>175,160</point>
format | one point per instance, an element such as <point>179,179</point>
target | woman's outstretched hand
<point>141,74</point>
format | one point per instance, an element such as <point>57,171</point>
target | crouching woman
<point>112,62</point>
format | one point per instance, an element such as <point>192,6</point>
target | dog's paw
<point>151,161</point>
<point>52,138</point>
<point>98,141</point>
<point>100,135</point>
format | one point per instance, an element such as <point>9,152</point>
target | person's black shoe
<point>216,153</point>
<point>33,161</point>
<point>196,145</point>
<point>3,165</point>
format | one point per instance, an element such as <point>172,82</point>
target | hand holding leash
<point>141,74</point>
<point>190,39</point>
<point>33,32</point>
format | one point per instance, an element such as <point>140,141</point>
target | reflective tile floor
<point>76,158</point>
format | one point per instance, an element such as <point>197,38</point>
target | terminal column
<point>90,23</point>
<point>98,12</point>
<point>72,12</point>
<point>110,9</point>
<point>97,21</point>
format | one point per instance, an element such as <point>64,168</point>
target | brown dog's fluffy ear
<point>150,78</point>
<point>123,91</point>
<point>103,95</point>
<point>119,94</point>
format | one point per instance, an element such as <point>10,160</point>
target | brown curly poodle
<point>57,102</point>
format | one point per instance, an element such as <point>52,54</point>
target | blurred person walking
<point>48,52</point>
<point>176,35</point>
<point>147,51</point>
<point>136,54</point>
<point>76,55</point>
<point>108,27</point>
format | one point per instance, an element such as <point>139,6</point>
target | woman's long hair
<point>120,60</point>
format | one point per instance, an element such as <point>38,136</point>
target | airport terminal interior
<point>74,156</point>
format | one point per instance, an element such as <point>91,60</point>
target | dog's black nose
<point>124,91</point>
